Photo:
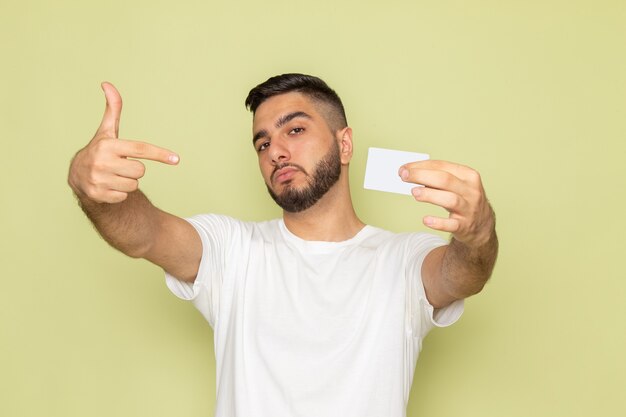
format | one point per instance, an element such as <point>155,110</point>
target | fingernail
<point>429,221</point>
<point>417,191</point>
<point>174,159</point>
<point>404,173</point>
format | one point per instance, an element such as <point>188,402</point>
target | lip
<point>285,174</point>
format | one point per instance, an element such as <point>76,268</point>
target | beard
<point>325,175</point>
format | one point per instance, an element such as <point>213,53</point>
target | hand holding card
<point>454,187</point>
<point>381,171</point>
<point>459,190</point>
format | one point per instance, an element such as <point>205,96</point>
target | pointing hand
<point>102,171</point>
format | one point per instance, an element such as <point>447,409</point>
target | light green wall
<point>530,93</point>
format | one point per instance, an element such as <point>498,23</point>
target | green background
<point>530,93</point>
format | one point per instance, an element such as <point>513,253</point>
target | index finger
<point>460,171</point>
<point>143,150</point>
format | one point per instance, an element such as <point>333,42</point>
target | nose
<point>279,151</point>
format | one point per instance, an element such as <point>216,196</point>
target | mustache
<point>287,164</point>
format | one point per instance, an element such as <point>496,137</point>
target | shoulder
<point>214,221</point>
<point>409,240</point>
<point>219,223</point>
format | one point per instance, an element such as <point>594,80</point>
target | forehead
<point>274,107</point>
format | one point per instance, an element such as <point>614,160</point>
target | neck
<point>331,219</point>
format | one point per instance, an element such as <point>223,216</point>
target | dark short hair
<point>312,87</point>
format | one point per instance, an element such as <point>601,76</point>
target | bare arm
<point>105,180</point>
<point>457,271</point>
<point>461,268</point>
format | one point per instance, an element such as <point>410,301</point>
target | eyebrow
<point>283,120</point>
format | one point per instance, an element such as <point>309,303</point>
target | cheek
<point>265,169</point>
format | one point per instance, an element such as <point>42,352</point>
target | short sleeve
<point>205,292</point>
<point>422,315</point>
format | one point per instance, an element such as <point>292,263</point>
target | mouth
<point>284,174</point>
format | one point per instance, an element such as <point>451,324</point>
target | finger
<point>461,171</point>
<point>129,168</point>
<point>109,127</point>
<point>123,184</point>
<point>108,196</point>
<point>438,179</point>
<point>112,197</point>
<point>449,225</point>
<point>450,201</point>
<point>143,150</point>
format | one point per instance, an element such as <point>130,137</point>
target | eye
<point>263,146</point>
<point>296,131</point>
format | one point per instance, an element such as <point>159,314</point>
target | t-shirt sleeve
<point>215,232</point>
<point>423,316</point>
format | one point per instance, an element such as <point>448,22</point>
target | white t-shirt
<point>309,328</point>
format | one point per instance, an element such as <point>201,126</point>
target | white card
<point>381,171</point>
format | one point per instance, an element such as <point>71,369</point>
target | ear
<point>344,138</point>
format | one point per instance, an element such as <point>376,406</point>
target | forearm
<point>466,269</point>
<point>129,226</point>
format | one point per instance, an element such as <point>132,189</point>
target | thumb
<point>110,124</point>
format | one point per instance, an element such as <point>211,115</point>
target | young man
<point>315,314</point>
